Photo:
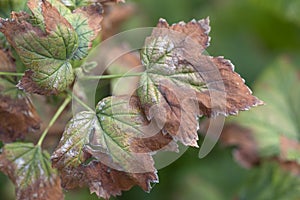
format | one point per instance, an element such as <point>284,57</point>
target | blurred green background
<point>252,34</point>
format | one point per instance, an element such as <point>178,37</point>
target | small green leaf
<point>30,170</point>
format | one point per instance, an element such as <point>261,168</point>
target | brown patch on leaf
<point>29,85</point>
<point>196,30</point>
<point>105,181</point>
<point>94,15</point>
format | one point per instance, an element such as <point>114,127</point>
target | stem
<point>112,76</point>
<point>54,118</point>
<point>11,74</point>
<point>79,101</point>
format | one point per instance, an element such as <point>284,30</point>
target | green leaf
<point>116,140</point>
<point>76,135</point>
<point>275,128</point>
<point>30,170</point>
<point>270,182</point>
<point>180,83</point>
<point>47,55</point>
<point>85,21</point>
<point>76,3</point>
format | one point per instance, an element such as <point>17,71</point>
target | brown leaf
<point>17,114</point>
<point>114,17</point>
<point>105,181</point>
<point>180,84</point>
<point>6,61</point>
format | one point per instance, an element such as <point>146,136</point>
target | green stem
<point>11,74</point>
<point>54,118</point>
<point>79,101</point>
<point>112,76</point>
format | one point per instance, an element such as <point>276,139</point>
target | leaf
<point>75,3</point>
<point>86,21</point>
<point>45,54</point>
<point>17,114</point>
<point>30,170</point>
<point>274,129</point>
<point>115,139</point>
<point>270,182</point>
<point>180,84</point>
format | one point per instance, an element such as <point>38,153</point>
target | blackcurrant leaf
<point>30,170</point>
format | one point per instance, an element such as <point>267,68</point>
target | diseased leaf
<point>17,115</point>
<point>46,55</point>
<point>274,129</point>
<point>30,170</point>
<point>86,21</point>
<point>180,83</point>
<point>119,141</point>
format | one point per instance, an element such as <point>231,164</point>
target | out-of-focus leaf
<point>45,54</point>
<point>290,9</point>
<point>30,170</point>
<point>6,61</point>
<point>270,182</point>
<point>274,128</point>
<point>180,83</point>
<point>17,115</point>
<point>114,138</point>
<point>7,6</point>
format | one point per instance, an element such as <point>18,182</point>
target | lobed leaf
<point>46,55</point>
<point>30,170</point>
<point>120,148</point>
<point>180,83</point>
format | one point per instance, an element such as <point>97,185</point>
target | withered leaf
<point>116,138</point>
<point>30,170</point>
<point>274,128</point>
<point>17,114</point>
<point>180,83</point>
<point>105,181</point>
<point>46,54</point>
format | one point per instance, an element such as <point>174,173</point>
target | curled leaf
<point>180,83</point>
<point>30,170</point>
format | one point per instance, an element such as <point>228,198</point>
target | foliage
<point>111,148</point>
